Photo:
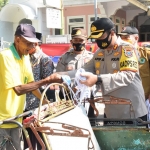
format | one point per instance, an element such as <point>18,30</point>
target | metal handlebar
<point>13,119</point>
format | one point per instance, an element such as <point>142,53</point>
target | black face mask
<point>78,46</point>
<point>103,44</point>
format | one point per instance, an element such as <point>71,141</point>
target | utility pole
<point>62,18</point>
<point>95,9</point>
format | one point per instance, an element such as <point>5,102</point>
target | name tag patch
<point>129,63</point>
<point>114,59</point>
<point>99,59</point>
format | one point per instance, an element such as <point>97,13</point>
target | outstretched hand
<point>91,78</point>
<point>54,78</point>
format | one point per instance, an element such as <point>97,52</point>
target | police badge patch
<point>128,51</point>
<point>142,60</point>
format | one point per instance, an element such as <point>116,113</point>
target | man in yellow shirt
<point>16,80</point>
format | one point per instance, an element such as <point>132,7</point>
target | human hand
<point>74,89</point>
<point>91,78</point>
<point>54,78</point>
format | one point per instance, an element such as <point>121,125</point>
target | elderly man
<point>130,34</point>
<point>17,80</point>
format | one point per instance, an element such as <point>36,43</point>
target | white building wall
<point>106,8</point>
<point>112,7</point>
<point>130,14</point>
<point>6,31</point>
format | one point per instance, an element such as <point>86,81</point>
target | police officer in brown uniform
<point>76,57</point>
<point>130,34</point>
<point>144,68</point>
<point>114,67</point>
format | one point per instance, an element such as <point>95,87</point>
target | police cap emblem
<point>78,32</point>
<point>93,28</point>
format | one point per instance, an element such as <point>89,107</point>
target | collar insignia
<point>115,46</point>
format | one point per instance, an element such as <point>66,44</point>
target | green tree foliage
<point>3,3</point>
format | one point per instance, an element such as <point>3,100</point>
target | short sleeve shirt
<point>14,71</point>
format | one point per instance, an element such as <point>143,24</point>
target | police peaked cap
<point>100,26</point>
<point>79,33</point>
<point>128,30</point>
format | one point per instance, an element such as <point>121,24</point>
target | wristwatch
<point>99,80</point>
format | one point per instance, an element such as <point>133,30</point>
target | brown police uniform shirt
<point>144,68</point>
<point>71,61</point>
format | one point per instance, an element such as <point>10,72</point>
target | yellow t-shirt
<point>14,71</point>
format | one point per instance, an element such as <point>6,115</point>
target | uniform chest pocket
<point>113,66</point>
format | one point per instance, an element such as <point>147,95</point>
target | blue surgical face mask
<point>104,43</point>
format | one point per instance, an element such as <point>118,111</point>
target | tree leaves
<point>3,3</point>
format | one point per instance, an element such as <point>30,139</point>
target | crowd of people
<point>120,68</point>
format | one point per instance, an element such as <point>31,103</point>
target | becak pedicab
<point>64,124</point>
<point>117,133</point>
<point>7,139</point>
<point>61,126</point>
